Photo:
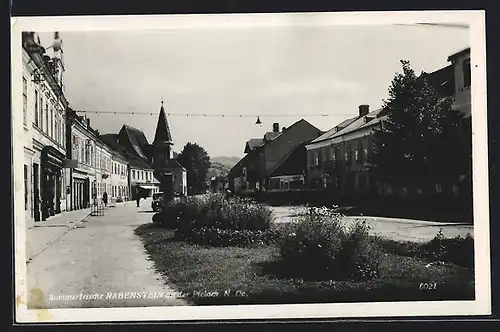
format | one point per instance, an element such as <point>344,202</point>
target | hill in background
<point>221,166</point>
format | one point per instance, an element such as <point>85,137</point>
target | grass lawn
<point>209,275</point>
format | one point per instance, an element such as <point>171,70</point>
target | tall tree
<point>197,162</point>
<point>420,142</point>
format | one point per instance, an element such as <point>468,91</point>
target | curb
<point>70,228</point>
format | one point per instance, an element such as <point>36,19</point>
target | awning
<point>148,187</point>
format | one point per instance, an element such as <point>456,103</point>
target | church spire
<point>163,134</point>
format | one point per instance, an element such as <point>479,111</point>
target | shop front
<point>51,181</point>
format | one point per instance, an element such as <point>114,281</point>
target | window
<point>47,118</point>
<point>41,112</point>
<point>466,73</point>
<point>25,101</point>
<point>25,187</point>
<point>36,108</point>
<point>133,173</point>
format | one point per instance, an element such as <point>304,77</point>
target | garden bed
<point>253,275</point>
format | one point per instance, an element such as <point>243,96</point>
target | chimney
<point>276,127</point>
<point>364,110</point>
<point>88,122</point>
<point>283,129</point>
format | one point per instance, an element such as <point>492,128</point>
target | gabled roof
<point>112,140</point>
<point>332,132</point>
<point>235,169</point>
<point>292,163</point>
<point>459,53</point>
<point>443,80</point>
<point>162,134</point>
<point>253,143</point>
<point>137,140</point>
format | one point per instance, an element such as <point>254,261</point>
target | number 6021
<point>427,286</point>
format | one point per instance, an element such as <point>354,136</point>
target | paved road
<point>392,228</point>
<point>101,265</point>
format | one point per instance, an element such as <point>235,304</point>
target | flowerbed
<point>217,221</point>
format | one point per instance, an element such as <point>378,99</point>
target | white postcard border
<point>482,304</point>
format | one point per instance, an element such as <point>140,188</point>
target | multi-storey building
<point>90,174</point>
<point>254,170</point>
<point>44,105</point>
<point>119,178</point>
<point>338,160</point>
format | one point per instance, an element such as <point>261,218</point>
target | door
<point>36,192</point>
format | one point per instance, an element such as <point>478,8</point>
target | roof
<point>174,164</point>
<point>253,143</point>
<point>235,169</point>
<point>292,163</point>
<point>443,80</point>
<point>365,121</point>
<point>162,134</point>
<point>137,139</point>
<point>271,135</point>
<point>332,132</point>
<point>111,140</point>
<point>459,53</point>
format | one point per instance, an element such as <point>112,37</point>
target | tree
<point>421,142</point>
<point>197,162</point>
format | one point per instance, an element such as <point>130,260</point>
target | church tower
<point>162,144</point>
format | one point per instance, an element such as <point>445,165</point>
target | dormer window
<point>466,72</point>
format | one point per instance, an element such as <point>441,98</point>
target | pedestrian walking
<point>138,197</point>
<point>105,198</point>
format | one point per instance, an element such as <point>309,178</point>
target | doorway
<point>36,192</point>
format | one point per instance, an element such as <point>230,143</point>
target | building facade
<point>91,163</point>
<point>44,105</point>
<point>120,189</point>
<point>253,171</point>
<point>337,161</point>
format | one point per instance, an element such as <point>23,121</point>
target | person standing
<point>105,198</point>
<point>138,197</point>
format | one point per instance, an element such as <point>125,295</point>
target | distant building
<point>262,155</point>
<point>338,160</point>
<point>289,172</point>
<point>120,190</point>
<point>131,144</point>
<point>89,178</point>
<point>162,155</point>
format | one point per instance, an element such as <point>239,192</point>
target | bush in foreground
<point>321,246</point>
<point>216,211</point>
<point>458,250</point>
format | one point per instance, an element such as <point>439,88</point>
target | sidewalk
<point>43,233</point>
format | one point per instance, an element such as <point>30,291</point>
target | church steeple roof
<point>163,134</point>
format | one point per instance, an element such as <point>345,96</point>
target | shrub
<point>218,237</point>
<point>458,250</point>
<point>216,211</point>
<point>320,246</point>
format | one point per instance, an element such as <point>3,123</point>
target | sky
<point>282,74</point>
